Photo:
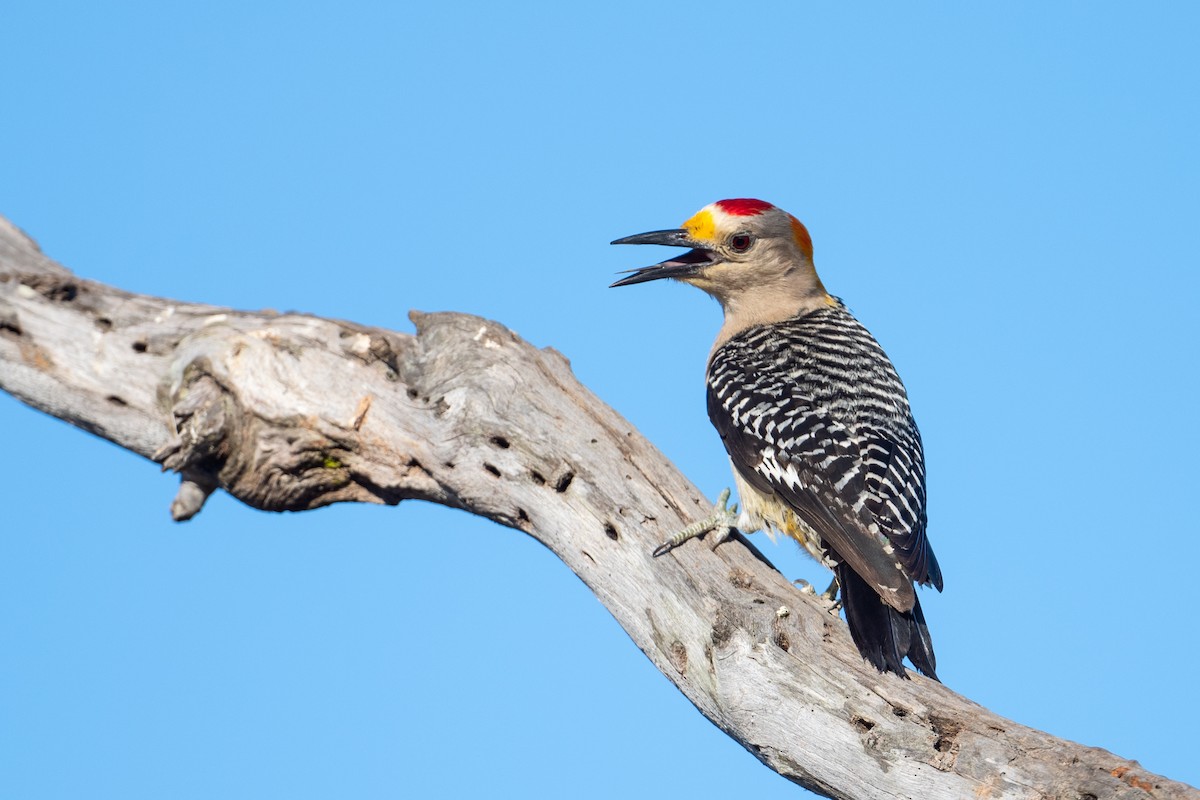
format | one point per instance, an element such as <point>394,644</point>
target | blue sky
<point>1005,195</point>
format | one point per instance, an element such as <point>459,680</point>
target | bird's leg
<point>722,522</point>
<point>829,596</point>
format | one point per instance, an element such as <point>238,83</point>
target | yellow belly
<point>767,513</point>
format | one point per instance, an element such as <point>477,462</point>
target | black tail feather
<point>884,635</point>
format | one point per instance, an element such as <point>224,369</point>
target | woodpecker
<point>815,420</point>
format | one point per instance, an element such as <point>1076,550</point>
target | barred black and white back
<point>814,416</point>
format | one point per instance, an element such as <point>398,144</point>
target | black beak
<point>682,266</point>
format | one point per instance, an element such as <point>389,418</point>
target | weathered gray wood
<point>286,411</point>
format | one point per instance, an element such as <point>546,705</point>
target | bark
<point>292,412</point>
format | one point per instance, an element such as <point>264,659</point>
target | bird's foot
<point>722,522</point>
<point>830,596</point>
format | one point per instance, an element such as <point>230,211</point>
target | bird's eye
<point>740,242</point>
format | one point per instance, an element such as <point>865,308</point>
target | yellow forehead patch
<point>702,227</point>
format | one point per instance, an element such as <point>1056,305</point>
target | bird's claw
<point>722,522</point>
<point>830,596</point>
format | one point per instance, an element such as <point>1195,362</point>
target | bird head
<point>737,247</point>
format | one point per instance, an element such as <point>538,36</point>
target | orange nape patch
<point>800,234</point>
<point>702,227</point>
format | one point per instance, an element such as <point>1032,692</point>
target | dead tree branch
<point>292,412</point>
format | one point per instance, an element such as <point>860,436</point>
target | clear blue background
<point>1007,196</point>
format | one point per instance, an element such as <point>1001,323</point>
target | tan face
<point>739,247</point>
<point>766,251</point>
<point>754,258</point>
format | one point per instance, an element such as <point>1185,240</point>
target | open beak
<point>682,266</point>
